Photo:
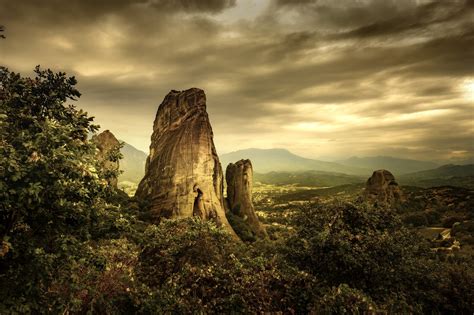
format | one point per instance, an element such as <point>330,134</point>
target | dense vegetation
<point>307,178</point>
<point>72,244</point>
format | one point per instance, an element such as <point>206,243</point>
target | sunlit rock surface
<point>183,175</point>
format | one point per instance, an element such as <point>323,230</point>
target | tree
<point>52,190</point>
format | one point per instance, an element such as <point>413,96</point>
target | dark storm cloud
<point>90,9</point>
<point>418,19</point>
<point>294,2</point>
<point>374,75</point>
<point>213,6</point>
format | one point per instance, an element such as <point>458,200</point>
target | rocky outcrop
<point>239,178</point>
<point>381,187</point>
<point>183,175</point>
<point>107,143</point>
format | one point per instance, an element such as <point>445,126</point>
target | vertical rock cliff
<point>106,143</point>
<point>239,177</point>
<point>382,187</point>
<point>183,175</point>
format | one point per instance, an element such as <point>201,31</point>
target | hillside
<point>281,160</point>
<point>132,164</point>
<point>397,166</point>
<point>453,175</point>
<point>307,178</point>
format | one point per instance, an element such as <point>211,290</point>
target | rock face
<point>106,143</point>
<point>183,175</point>
<point>239,177</point>
<point>382,187</point>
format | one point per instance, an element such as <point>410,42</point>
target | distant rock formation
<point>183,175</point>
<point>106,143</point>
<point>239,177</point>
<point>382,187</point>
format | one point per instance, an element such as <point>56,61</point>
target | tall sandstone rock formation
<point>239,178</point>
<point>382,187</point>
<point>183,175</point>
<point>106,143</point>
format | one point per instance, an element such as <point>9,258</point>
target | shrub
<point>241,228</point>
<point>366,248</point>
<point>416,219</point>
<point>344,300</point>
<point>433,217</point>
<point>193,266</point>
<point>450,220</point>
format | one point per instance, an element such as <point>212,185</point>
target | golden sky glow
<point>324,79</point>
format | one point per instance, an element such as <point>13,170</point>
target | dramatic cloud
<point>322,78</point>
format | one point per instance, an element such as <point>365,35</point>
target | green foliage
<point>448,222</point>
<point>344,300</point>
<point>53,193</point>
<point>456,288</point>
<point>307,178</point>
<point>192,266</point>
<point>241,228</point>
<point>464,232</point>
<point>416,219</point>
<point>364,247</point>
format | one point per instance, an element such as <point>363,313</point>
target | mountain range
<point>282,160</point>
<point>395,165</point>
<point>281,167</point>
<point>446,175</point>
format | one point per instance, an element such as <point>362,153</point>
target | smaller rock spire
<point>382,187</point>
<point>239,178</point>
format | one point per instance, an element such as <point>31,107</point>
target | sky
<point>322,78</point>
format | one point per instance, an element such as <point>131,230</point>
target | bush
<point>450,220</point>
<point>192,266</point>
<point>456,288</point>
<point>433,217</point>
<point>366,248</point>
<point>416,219</point>
<point>342,300</point>
<point>241,228</point>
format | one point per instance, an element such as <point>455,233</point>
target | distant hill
<point>453,175</point>
<point>132,164</point>
<point>307,178</point>
<point>281,160</point>
<point>463,161</point>
<point>396,166</point>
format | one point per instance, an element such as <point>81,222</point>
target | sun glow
<point>468,89</point>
